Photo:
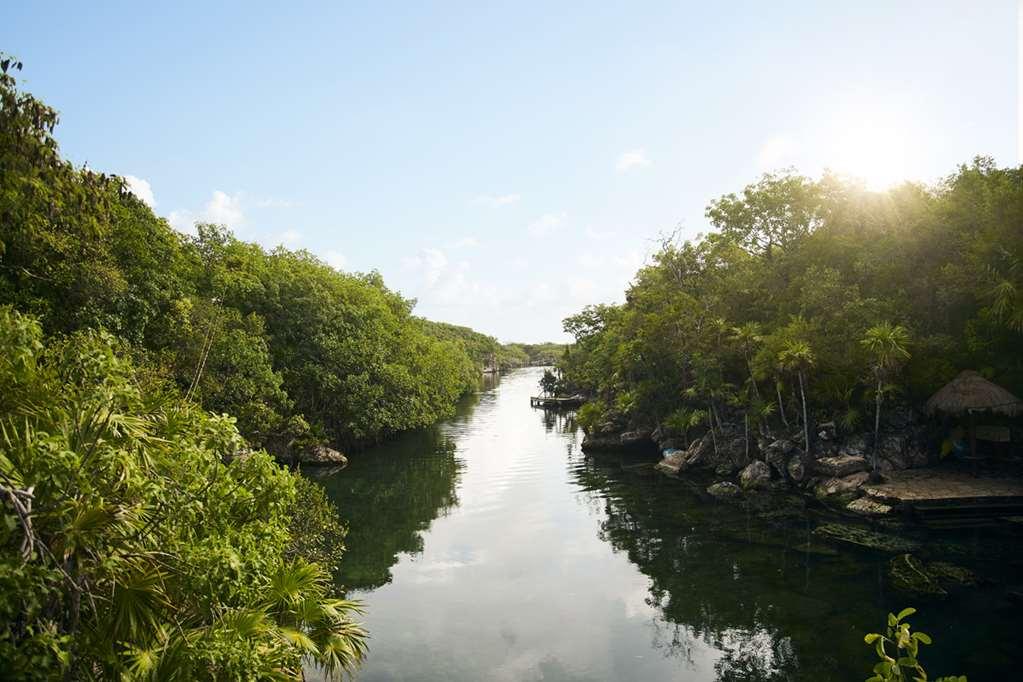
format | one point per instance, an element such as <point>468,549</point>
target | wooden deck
<point>946,498</point>
<point>542,401</point>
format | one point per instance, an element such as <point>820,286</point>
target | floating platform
<point>555,401</point>
<point>947,499</point>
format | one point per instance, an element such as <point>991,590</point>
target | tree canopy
<point>796,274</point>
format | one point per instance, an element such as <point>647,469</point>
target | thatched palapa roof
<point>970,392</point>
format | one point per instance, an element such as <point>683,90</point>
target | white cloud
<point>290,238</point>
<point>448,283</point>
<point>273,202</point>
<point>430,262</point>
<point>496,201</point>
<point>631,160</point>
<point>335,259</point>
<point>142,189</point>
<point>598,235</point>
<point>545,224</point>
<point>464,243</point>
<point>777,151</point>
<point>582,289</point>
<point>222,209</point>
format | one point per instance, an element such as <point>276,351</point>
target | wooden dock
<point>556,401</point>
<point>947,498</point>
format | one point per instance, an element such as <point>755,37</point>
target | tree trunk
<point>781,405</point>
<point>806,422</point>
<point>745,422</point>
<point>877,425</point>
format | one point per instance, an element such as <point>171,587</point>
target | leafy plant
<point>898,651</point>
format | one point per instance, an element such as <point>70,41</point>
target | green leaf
<point>904,613</point>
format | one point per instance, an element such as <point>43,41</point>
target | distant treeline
<point>815,297</point>
<point>490,354</point>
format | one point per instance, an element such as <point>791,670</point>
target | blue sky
<point>506,164</point>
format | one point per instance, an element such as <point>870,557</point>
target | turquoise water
<point>490,548</point>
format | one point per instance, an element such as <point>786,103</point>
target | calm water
<point>490,548</point>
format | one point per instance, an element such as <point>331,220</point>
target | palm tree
<point>748,337</point>
<point>797,356</point>
<point>886,344</point>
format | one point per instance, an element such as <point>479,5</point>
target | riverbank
<point>474,542</point>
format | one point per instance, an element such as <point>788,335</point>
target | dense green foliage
<point>140,539</point>
<point>898,649</point>
<point>815,298</point>
<point>295,350</point>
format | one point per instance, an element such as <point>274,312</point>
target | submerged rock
<point>951,575</point>
<point>756,475</point>
<point>724,489</point>
<point>862,537</point>
<point>908,574</point>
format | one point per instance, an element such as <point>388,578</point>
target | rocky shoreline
<point>778,479</point>
<point>836,470</point>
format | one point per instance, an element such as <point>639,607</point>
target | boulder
<point>777,455</point>
<point>756,475</point>
<point>320,455</point>
<point>595,442</point>
<point>855,446</point>
<point>892,445</point>
<point>668,444</point>
<point>826,431</point>
<point>724,489</point>
<point>795,468</point>
<point>637,438</point>
<point>697,453</point>
<point>898,417</point>
<point>671,461</point>
<point>842,465</point>
<point>916,456</point>
<point>841,486</point>
<point>867,506</point>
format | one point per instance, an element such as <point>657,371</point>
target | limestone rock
<point>671,462</point>
<point>777,455</point>
<point>843,485</point>
<point>867,506</point>
<point>795,468</point>
<point>636,438</point>
<point>855,446</point>
<point>842,465</point>
<point>756,475</point>
<point>321,455</point>
<point>826,431</point>
<point>723,489</point>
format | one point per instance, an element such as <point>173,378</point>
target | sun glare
<point>875,154</point>
<point>871,140</point>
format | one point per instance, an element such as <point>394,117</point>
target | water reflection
<point>389,497</point>
<point>490,547</point>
